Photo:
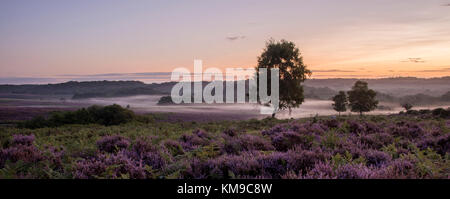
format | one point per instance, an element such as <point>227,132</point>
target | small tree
<point>285,56</point>
<point>340,102</point>
<point>407,106</point>
<point>361,98</point>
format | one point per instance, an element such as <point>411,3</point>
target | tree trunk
<point>273,115</point>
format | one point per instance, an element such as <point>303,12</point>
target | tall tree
<point>361,98</point>
<point>285,56</point>
<point>340,102</point>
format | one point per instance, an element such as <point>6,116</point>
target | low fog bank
<point>396,87</point>
<point>311,107</point>
<point>144,104</point>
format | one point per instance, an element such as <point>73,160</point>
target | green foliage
<point>440,112</point>
<point>165,100</point>
<point>331,140</point>
<point>108,115</point>
<point>285,56</point>
<point>361,98</point>
<point>336,146</point>
<point>346,158</point>
<point>428,162</point>
<point>340,102</point>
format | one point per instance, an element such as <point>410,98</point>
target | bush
<point>352,171</point>
<point>287,140</point>
<point>235,145</point>
<point>108,115</point>
<point>439,144</point>
<point>165,100</point>
<point>377,158</point>
<point>224,167</point>
<point>407,130</point>
<point>26,140</point>
<point>118,165</point>
<point>174,147</point>
<point>112,144</point>
<point>440,112</point>
<point>198,138</point>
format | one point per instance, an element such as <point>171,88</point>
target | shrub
<point>118,165</point>
<point>246,142</point>
<point>439,144</point>
<point>198,138</point>
<point>377,141</point>
<point>224,167</point>
<point>333,123</point>
<point>112,143</point>
<point>440,112</point>
<point>407,130</point>
<point>174,147</point>
<point>399,169</point>
<point>165,100</point>
<point>146,153</point>
<point>321,170</point>
<point>287,140</point>
<point>298,161</point>
<point>377,158</point>
<point>230,132</point>
<point>24,153</point>
<point>26,140</point>
<point>355,127</point>
<point>353,171</point>
<point>274,130</point>
<point>108,115</point>
<point>144,145</point>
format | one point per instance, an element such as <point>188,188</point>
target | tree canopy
<point>361,98</point>
<point>340,102</point>
<point>285,56</point>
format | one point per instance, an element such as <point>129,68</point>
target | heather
<point>402,146</point>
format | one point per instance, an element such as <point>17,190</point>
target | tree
<point>285,56</point>
<point>340,102</point>
<point>407,106</point>
<point>361,98</point>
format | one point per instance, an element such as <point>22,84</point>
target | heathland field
<point>113,142</point>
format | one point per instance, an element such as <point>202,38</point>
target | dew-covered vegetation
<point>408,145</point>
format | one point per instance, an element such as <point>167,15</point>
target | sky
<point>345,38</point>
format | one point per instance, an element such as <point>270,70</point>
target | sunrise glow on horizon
<point>337,39</point>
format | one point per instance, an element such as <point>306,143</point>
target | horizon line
<point>155,78</point>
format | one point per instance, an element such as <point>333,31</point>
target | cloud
<point>347,76</point>
<point>435,70</point>
<point>333,71</point>
<point>112,75</point>
<point>234,38</point>
<point>414,60</point>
